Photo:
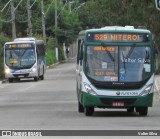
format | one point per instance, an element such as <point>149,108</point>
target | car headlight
<point>89,89</point>
<point>147,90</point>
<point>7,70</point>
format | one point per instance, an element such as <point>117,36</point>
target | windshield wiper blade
<point>130,52</point>
<point>124,62</point>
<point>110,55</point>
<point>112,58</point>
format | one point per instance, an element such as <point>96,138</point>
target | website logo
<point>6,133</point>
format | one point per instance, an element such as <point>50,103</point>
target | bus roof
<point>116,28</point>
<point>26,40</point>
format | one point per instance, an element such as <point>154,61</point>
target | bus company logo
<point>118,93</point>
<point>129,93</point>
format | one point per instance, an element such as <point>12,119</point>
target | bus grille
<point>21,75</point>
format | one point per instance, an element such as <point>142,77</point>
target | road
<point>51,104</point>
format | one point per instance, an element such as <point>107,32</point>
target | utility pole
<point>56,23</point>
<point>70,5</point>
<point>43,22</point>
<point>13,20</point>
<point>29,19</point>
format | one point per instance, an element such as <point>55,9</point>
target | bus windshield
<point>118,63</point>
<point>20,58</point>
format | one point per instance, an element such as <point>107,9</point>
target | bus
<point>24,58</point>
<point>115,69</point>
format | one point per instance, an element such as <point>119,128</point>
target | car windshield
<point>118,63</point>
<point>20,58</point>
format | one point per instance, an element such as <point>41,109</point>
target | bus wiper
<point>20,56</point>
<point>10,57</point>
<point>124,62</point>
<point>130,52</point>
<point>110,55</point>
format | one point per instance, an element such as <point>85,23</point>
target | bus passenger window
<point>80,52</point>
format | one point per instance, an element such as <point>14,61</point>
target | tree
<point>68,24</point>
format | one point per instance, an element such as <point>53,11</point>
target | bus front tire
<point>89,111</point>
<point>130,110</point>
<point>80,107</point>
<point>143,111</point>
<point>36,79</point>
<point>10,80</point>
<point>42,77</point>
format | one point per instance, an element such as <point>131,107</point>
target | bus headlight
<point>89,89</point>
<point>33,69</point>
<point>7,70</point>
<point>147,90</point>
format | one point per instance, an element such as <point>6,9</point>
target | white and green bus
<point>24,58</point>
<point>115,69</point>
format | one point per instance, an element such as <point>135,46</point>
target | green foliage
<point>94,13</point>
<point>61,54</point>
<point>0,25</point>
<point>68,24</point>
<point>50,52</point>
<point>100,13</point>
<point>51,43</point>
<point>50,57</point>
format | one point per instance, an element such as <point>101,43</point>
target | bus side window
<point>79,44</point>
<point>37,52</point>
<point>80,54</point>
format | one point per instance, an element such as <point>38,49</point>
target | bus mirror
<point>157,4</point>
<point>37,52</point>
<point>80,55</point>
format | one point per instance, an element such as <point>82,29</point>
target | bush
<point>50,51</point>
<point>61,53</point>
<point>50,57</point>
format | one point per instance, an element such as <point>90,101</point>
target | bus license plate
<point>21,76</point>
<point>118,104</point>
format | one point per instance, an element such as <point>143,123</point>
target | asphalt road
<point>51,104</point>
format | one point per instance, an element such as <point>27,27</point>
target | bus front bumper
<point>116,102</point>
<point>21,75</point>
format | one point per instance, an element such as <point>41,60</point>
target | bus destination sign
<point>117,37</point>
<point>20,45</point>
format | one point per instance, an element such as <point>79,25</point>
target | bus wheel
<point>130,109</point>
<point>143,111</point>
<point>89,111</point>
<point>80,107</point>
<point>18,79</point>
<point>10,80</point>
<point>42,77</point>
<point>36,79</point>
